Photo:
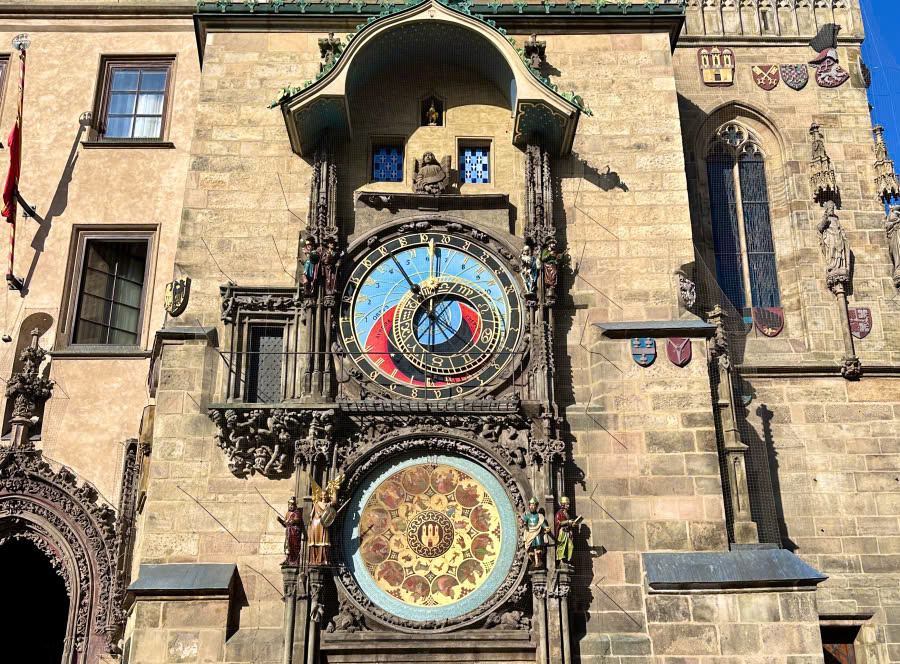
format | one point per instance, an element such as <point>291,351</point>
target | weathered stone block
<point>668,609</point>
<point>681,639</point>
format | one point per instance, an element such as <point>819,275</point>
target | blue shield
<point>643,350</point>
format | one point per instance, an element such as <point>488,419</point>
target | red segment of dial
<point>380,338</point>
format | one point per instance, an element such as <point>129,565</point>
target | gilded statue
<point>323,515</point>
<point>431,177</point>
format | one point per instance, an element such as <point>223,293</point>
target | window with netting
<point>741,221</point>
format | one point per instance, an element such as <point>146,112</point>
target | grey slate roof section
<point>691,328</point>
<point>759,568</point>
<point>185,579</point>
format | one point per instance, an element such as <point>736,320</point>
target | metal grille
<point>475,164</point>
<point>264,364</point>
<point>387,163</point>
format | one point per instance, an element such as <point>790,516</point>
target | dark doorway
<point>837,642</point>
<point>35,606</point>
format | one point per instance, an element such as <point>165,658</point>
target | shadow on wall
<point>58,204</point>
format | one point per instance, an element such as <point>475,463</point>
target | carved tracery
<point>77,531</point>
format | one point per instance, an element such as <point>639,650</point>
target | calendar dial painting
<point>431,316</point>
<point>430,535</point>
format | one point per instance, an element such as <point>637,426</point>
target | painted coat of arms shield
<point>643,350</point>
<point>769,320</point>
<point>795,76</point>
<point>765,76</point>
<point>176,296</point>
<point>860,321</point>
<point>679,350</point>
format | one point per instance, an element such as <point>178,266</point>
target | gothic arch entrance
<point>35,613</point>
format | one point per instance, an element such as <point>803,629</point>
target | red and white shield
<point>766,76</point>
<point>860,321</point>
<point>769,320</point>
<point>679,351</point>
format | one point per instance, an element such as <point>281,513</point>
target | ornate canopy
<point>448,36</point>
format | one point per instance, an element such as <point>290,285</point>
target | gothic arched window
<point>741,225</point>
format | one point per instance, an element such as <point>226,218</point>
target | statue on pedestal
<point>892,230</point>
<point>311,266</point>
<point>331,262</point>
<point>293,537</point>
<point>835,247</point>
<point>535,529</point>
<point>323,515</point>
<point>565,525</point>
<point>531,269</point>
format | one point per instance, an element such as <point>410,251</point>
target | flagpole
<point>21,43</point>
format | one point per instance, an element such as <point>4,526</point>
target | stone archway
<point>80,538</point>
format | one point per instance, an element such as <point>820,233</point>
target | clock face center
<point>431,315</point>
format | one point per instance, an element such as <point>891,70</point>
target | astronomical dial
<point>431,316</point>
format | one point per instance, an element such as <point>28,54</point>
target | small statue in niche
<point>429,176</point>
<point>565,525</point>
<point>293,536</point>
<point>892,230</point>
<point>535,51</point>
<point>535,530</point>
<point>311,266</point>
<point>321,519</point>
<point>432,112</point>
<point>531,269</point>
<point>835,246</point>
<point>331,262</point>
<point>551,260</point>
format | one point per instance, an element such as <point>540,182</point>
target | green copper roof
<point>388,7</point>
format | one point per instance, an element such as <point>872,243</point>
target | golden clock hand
<point>413,287</point>
<point>431,257</point>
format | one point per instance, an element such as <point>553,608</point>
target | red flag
<point>15,155</point>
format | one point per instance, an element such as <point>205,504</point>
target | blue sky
<point>881,52</point>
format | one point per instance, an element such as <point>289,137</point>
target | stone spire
<point>28,389</point>
<point>886,183</point>
<point>821,174</point>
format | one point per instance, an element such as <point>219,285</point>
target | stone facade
<point>769,447</point>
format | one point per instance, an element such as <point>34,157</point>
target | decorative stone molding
<point>886,182</point>
<point>28,389</point>
<point>232,303</point>
<point>272,442</point>
<point>822,179</point>
<point>39,504</point>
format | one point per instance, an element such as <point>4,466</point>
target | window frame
<point>80,238</point>
<point>108,65</point>
<point>6,60</point>
<point>385,141</point>
<point>463,142</point>
<point>749,141</point>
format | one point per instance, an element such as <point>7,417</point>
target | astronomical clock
<point>418,387</point>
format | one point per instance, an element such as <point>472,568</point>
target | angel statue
<point>430,177</point>
<point>323,515</point>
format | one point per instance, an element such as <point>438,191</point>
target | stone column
<point>735,450</point>
<point>559,599</point>
<point>539,624</point>
<point>317,577</point>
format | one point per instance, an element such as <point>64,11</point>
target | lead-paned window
<point>387,162</point>
<point>475,164</point>
<point>264,364</point>
<point>741,220</point>
<point>111,292</point>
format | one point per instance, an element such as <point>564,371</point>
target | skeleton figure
<point>431,177</point>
